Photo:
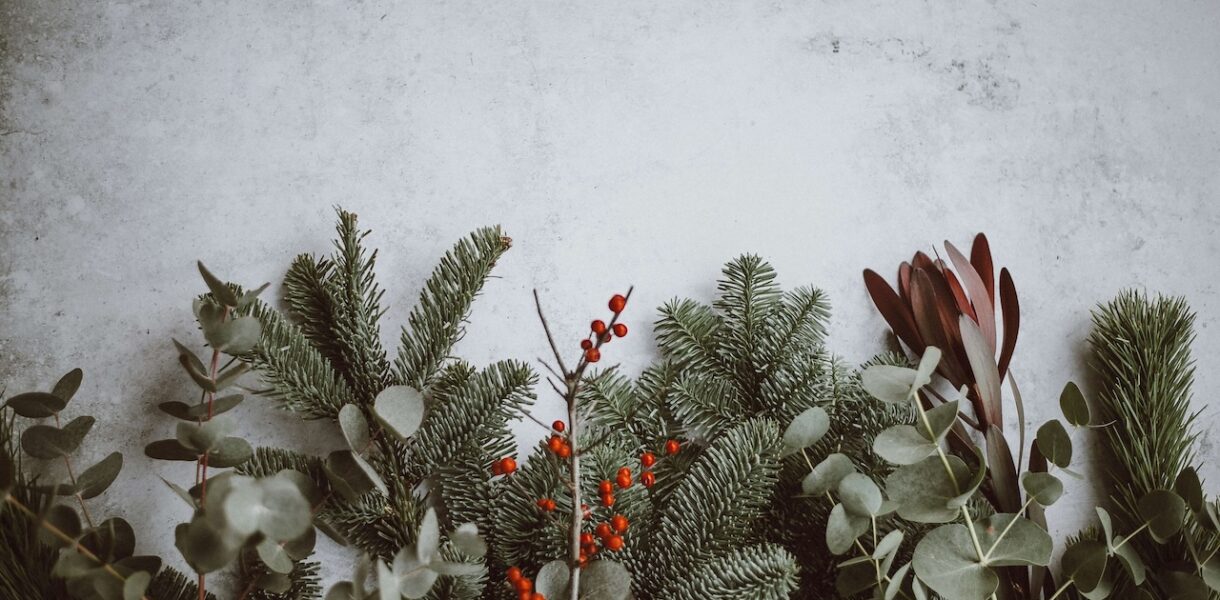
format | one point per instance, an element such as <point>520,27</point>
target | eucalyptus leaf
<point>275,583</point>
<point>343,590</point>
<point>902,445</point>
<point>67,385</point>
<point>230,375</point>
<point>71,564</point>
<point>859,495</point>
<point>1132,562</point>
<point>36,405</point>
<point>888,544</point>
<point>194,412</point>
<point>946,561</point>
<point>112,540</point>
<point>827,475</point>
<point>895,584</point>
<point>927,366</point>
<point>94,480</point>
<point>169,450</point>
<point>413,579</point>
<point>400,409</point>
<point>843,529</point>
<point>220,290</point>
<point>274,556</point>
<point>45,441</point>
<point>924,490</point>
<point>466,538</point>
<point>1211,573</point>
<point>235,336</point>
<point>1054,443</point>
<point>302,546</point>
<point>1044,488</point>
<point>805,430</point>
<point>888,383</point>
<point>1179,585</point>
<point>1188,486</point>
<point>1165,513</point>
<point>1085,564</point>
<point>429,539</point>
<point>355,428</point>
<point>272,506</point>
<point>1010,540</point>
<point>552,580</point>
<point>941,418</point>
<point>1073,405</point>
<point>135,584</point>
<point>605,580</point>
<point>203,437</point>
<point>197,372</point>
<point>63,518</point>
<point>230,452</point>
<point>353,475</point>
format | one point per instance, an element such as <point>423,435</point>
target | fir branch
<point>357,300</point>
<point>687,334</point>
<point>170,584</point>
<point>307,296</point>
<point>705,406</point>
<point>435,324</point>
<point>749,299</point>
<point>300,377</point>
<point>760,572</point>
<point>717,504</point>
<point>306,583</point>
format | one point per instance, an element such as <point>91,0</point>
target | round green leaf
<point>1211,573</point>
<point>194,412</point>
<point>1085,564</point>
<point>355,428</point>
<point>888,544</point>
<point>902,445</point>
<point>827,474</point>
<point>72,564</point>
<point>1188,486</point>
<point>805,430</point>
<point>859,495</point>
<point>1075,408</point>
<point>273,555</point>
<point>1044,488</point>
<point>230,452</point>
<point>467,539</point>
<point>202,437</point>
<point>1132,562</point>
<point>235,336</point>
<point>169,450</point>
<point>1024,543</point>
<point>112,540</point>
<point>45,441</point>
<point>924,490</point>
<point>843,528</point>
<point>400,409</point>
<point>888,383</point>
<point>343,590</point>
<point>272,505</point>
<point>927,366</point>
<point>276,583</point>
<point>605,580</point>
<point>352,475</point>
<point>67,385</point>
<point>941,418</point>
<point>1165,513</point>
<point>63,518</point>
<point>301,547</point>
<point>946,561</point>
<point>36,405</point>
<point>135,585</point>
<point>552,580</point>
<point>1054,443</point>
<point>94,480</point>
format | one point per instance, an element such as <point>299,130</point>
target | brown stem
<point>57,532</point>
<point>203,458</point>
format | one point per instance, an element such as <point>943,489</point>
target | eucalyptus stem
<point>202,470</point>
<point>59,533</point>
<point>72,479</point>
<point>944,459</point>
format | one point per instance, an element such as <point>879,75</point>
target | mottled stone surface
<point>619,143</point>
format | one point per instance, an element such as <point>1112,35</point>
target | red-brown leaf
<point>904,282</point>
<point>984,307</point>
<point>929,305</point>
<point>980,257</point>
<point>921,261</point>
<point>894,311</point>
<point>1012,319</point>
<point>959,295</point>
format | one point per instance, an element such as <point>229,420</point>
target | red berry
<point>514,574</point>
<point>523,585</point>
<point>618,303</point>
<point>648,479</point>
<point>619,523</point>
<point>525,596</point>
<point>603,530</point>
<point>605,487</point>
<point>555,443</point>
<point>586,344</point>
<point>606,338</point>
<point>624,471</point>
<point>497,468</point>
<point>608,500</point>
<point>508,465</point>
<point>598,326</point>
<point>537,596</point>
<point>648,459</point>
<point>623,480</point>
<point>558,426</point>
<point>614,543</point>
<point>588,549</point>
<point>584,510</point>
<point>546,504</point>
<point>593,355</point>
<point>620,330</point>
<point>583,561</point>
<point>565,451</point>
<point>586,538</point>
<point>672,447</point>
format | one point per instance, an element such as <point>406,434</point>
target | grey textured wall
<point>618,142</point>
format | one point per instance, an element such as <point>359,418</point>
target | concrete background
<point>619,143</point>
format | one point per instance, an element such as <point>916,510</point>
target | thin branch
<point>549,338</point>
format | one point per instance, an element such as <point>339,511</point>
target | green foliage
<point>1141,351</point>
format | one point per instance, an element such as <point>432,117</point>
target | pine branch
<point>436,322</point>
<point>307,295</point>
<point>687,334</point>
<point>300,377</point>
<point>705,406</point>
<point>749,299</point>
<point>170,584</point>
<point>306,583</point>
<point>357,300</point>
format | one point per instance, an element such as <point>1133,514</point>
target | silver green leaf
<point>843,528</point>
<point>859,495</point>
<point>1044,488</point>
<point>902,445</point>
<point>945,560</point>
<point>355,428</point>
<point>827,474</point>
<point>1075,408</point>
<point>1054,443</point>
<point>400,409</point>
<point>888,383</point>
<point>924,490</point>
<point>605,580</point>
<point>552,580</point>
<point>805,430</point>
<point>45,441</point>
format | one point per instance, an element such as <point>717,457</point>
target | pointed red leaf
<point>959,295</point>
<point>929,305</point>
<point>894,311</point>
<point>1012,319</point>
<point>983,305</point>
<point>921,261</point>
<point>980,257</point>
<point>904,282</point>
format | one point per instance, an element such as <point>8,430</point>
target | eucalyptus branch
<point>72,479</point>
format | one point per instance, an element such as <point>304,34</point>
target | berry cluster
<point>523,585</point>
<point>609,534</point>
<point>602,333</point>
